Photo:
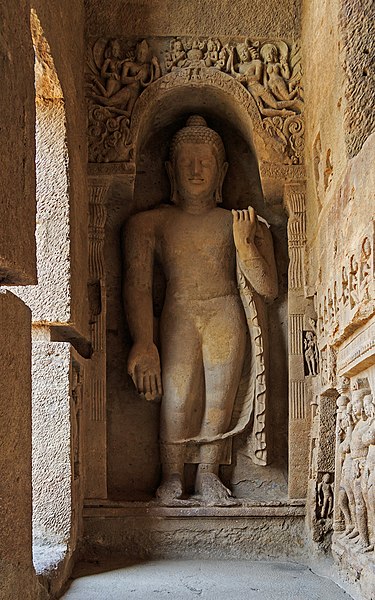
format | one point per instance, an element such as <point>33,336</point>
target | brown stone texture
<point>340,232</point>
<point>63,29</point>
<point>150,533</point>
<point>327,420</point>
<point>357,29</point>
<point>17,575</point>
<point>17,187</point>
<point>179,17</point>
<point>52,442</point>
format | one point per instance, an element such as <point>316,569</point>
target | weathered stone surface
<point>51,441</point>
<point>340,270</point>
<point>17,574</point>
<point>357,30</point>
<point>178,17</point>
<point>17,187</point>
<point>67,52</point>
<point>148,531</point>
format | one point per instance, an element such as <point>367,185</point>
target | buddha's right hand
<point>144,369</point>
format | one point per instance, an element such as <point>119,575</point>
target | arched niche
<point>132,427</point>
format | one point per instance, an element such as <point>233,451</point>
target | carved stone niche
<point>133,457</point>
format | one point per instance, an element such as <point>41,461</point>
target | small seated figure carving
<point>203,323</point>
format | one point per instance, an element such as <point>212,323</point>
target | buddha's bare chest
<point>190,239</point>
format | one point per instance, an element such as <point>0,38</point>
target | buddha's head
<point>196,165</point>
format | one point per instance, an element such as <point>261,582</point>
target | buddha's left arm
<point>255,251</point>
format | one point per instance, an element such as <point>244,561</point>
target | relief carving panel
<point>118,71</point>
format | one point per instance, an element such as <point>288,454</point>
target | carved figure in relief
<point>211,388</point>
<point>358,451</point>
<point>224,57</point>
<point>177,56</point>
<point>325,496</point>
<point>111,69</point>
<point>365,270</point>
<point>250,71</point>
<point>368,477</point>
<point>346,493</point>
<point>211,57</point>
<point>277,73</point>
<point>344,287</point>
<point>124,89</point>
<point>115,81</point>
<point>311,352</point>
<point>353,282</point>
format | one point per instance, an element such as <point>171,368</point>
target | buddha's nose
<point>197,167</point>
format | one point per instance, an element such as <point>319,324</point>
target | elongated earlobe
<point>172,181</point>
<point>219,189</point>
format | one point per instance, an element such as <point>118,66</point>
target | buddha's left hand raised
<point>244,228</point>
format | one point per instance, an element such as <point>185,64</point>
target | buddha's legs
<point>202,351</point>
<point>183,389</point>
<point>223,349</point>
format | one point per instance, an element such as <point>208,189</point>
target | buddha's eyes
<point>191,163</point>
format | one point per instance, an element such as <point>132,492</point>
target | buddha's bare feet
<point>353,534</point>
<point>362,545</point>
<point>170,490</point>
<point>346,532</point>
<point>212,492</point>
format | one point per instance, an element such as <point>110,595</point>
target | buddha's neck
<point>196,205</point>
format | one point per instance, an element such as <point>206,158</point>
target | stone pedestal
<point>146,530</point>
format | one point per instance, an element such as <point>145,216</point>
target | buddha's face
<point>196,170</point>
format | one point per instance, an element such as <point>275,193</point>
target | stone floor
<point>216,580</point>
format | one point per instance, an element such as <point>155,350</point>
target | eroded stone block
<point>16,569</point>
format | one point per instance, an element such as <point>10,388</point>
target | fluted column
<point>96,422</point>
<point>299,412</point>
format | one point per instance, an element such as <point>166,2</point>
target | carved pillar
<point>299,413</point>
<point>96,422</point>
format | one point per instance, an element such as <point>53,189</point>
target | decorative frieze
<point>118,71</point>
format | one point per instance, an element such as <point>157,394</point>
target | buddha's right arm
<point>143,360</point>
<point>138,248</point>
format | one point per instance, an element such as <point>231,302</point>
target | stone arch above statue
<point>257,83</point>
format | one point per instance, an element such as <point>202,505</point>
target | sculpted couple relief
<point>208,367</point>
